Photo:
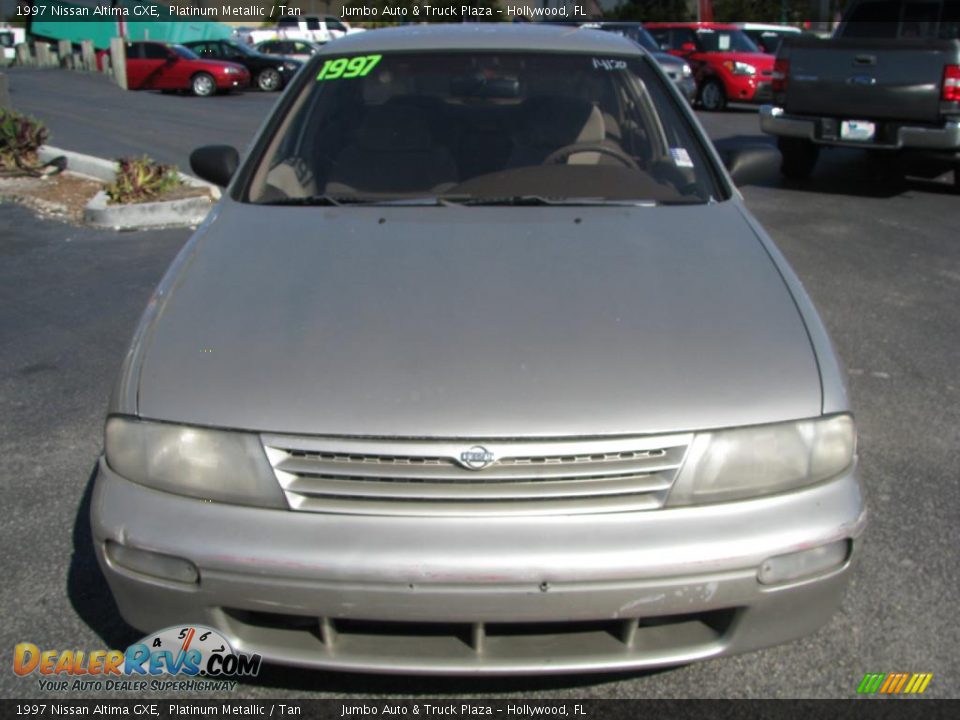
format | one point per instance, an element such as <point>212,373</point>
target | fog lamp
<point>804,563</point>
<point>164,567</point>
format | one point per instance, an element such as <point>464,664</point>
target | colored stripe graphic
<point>870,683</point>
<point>894,683</point>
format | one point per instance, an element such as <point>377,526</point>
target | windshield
<point>634,32</point>
<point>184,52</point>
<point>724,41</point>
<point>242,49</point>
<point>494,126</point>
<point>644,40</point>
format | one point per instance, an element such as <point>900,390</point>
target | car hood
<point>477,322</point>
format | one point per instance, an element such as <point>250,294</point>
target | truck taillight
<point>951,84</point>
<point>781,68</point>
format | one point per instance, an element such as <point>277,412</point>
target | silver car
<point>480,366</point>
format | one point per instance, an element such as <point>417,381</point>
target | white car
<point>768,37</point>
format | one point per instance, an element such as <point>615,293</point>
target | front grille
<point>372,644</point>
<point>423,477</point>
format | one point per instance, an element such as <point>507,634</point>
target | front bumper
<point>687,87</point>
<point>233,82</point>
<point>472,595</point>
<point>747,88</point>
<point>944,139</point>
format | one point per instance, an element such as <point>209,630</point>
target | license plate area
<point>858,130</point>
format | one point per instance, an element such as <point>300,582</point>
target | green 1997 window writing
<point>348,67</point>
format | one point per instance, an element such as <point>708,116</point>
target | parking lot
<point>879,255</point>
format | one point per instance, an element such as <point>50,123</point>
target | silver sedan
<point>481,366</point>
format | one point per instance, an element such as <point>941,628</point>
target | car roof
<point>694,25</point>
<point>536,37</point>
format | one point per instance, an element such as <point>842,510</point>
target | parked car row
<point>888,81</point>
<point>269,72</point>
<point>712,63</point>
<point>161,66</point>
<point>203,67</point>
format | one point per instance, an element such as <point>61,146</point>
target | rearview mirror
<point>215,163</point>
<point>478,85</point>
<point>749,163</point>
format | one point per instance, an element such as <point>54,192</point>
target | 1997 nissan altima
<point>480,366</point>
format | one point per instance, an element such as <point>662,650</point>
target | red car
<point>727,64</point>
<point>159,66</point>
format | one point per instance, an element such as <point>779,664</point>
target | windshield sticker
<point>724,42</point>
<point>609,64</point>
<point>348,67</point>
<point>681,157</point>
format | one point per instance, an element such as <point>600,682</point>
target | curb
<point>183,212</point>
<point>186,211</point>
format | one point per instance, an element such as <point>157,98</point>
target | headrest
<point>554,121</point>
<point>394,128</point>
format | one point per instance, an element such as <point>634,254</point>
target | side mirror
<point>215,163</point>
<point>688,47</point>
<point>749,163</point>
<point>172,57</point>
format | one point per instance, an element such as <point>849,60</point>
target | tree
<point>649,11</point>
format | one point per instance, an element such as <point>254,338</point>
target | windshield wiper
<point>535,200</point>
<point>326,199</point>
<point>307,200</point>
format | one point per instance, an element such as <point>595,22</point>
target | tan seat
<point>549,123</point>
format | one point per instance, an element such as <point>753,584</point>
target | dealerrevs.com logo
<point>181,658</point>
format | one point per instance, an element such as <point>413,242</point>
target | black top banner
<point>309,13</point>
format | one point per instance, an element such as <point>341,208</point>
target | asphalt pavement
<point>879,255</point>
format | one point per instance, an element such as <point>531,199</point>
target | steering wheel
<point>557,156</point>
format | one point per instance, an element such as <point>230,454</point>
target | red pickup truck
<point>726,63</point>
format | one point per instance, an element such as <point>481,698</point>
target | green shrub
<point>20,138</point>
<point>141,179</point>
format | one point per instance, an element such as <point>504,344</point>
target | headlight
<point>291,67</point>
<point>752,461</point>
<point>216,465</point>
<point>232,71</point>
<point>740,68</point>
<point>687,71</point>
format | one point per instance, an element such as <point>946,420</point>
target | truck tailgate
<point>868,79</point>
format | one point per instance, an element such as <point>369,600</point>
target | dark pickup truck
<point>888,81</point>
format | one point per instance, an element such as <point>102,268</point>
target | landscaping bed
<point>129,193</point>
